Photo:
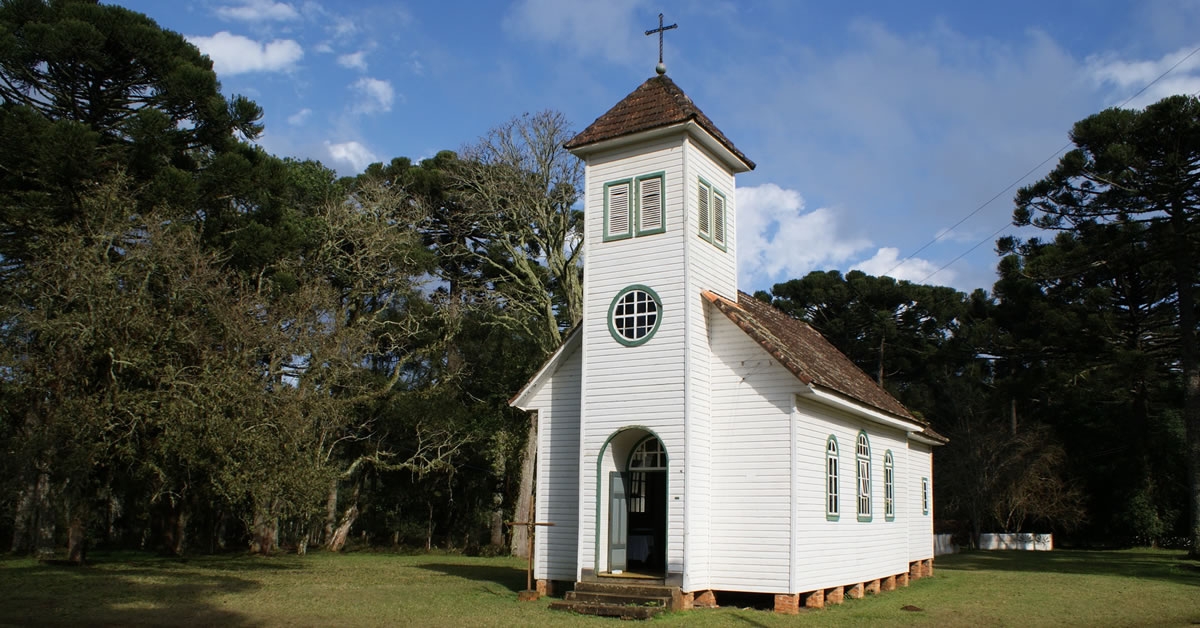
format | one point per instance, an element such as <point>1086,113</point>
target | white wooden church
<point>691,435</point>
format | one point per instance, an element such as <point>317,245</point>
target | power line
<point>997,195</point>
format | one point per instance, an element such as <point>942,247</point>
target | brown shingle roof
<point>806,353</point>
<point>656,103</point>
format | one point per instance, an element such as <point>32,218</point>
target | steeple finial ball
<point>661,68</point>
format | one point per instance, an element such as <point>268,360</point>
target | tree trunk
<point>264,533</point>
<point>175,529</point>
<point>77,535</point>
<point>339,536</point>
<point>429,527</point>
<point>500,468</point>
<point>330,511</point>
<point>525,496</point>
<point>23,517</point>
<point>45,518</point>
<point>497,528</point>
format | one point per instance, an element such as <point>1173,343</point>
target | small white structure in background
<point>943,544</point>
<point>1017,541</point>
<point>692,434</point>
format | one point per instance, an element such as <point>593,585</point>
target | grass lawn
<point>1076,588</point>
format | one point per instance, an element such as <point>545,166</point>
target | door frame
<point>604,497</point>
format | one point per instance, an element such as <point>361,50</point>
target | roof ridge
<point>807,354</point>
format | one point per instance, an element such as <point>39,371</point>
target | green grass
<point>1126,588</point>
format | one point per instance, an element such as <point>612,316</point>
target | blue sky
<point>876,126</point>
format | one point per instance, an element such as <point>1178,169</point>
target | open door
<point>646,541</point>
<point>618,522</point>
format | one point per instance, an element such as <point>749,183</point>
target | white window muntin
<point>634,315</point>
<point>889,486</point>
<point>832,507</point>
<point>862,454</point>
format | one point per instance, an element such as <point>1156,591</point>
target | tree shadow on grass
<point>119,595</point>
<point>511,578</point>
<point>1172,566</point>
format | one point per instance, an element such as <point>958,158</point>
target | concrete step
<point>617,599</point>
<point>633,589</point>
<point>609,610</point>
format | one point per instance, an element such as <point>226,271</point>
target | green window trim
<point>862,456</point>
<point>711,207</point>
<point>889,486</point>
<point>647,194</point>
<point>618,206</point>
<point>832,502</point>
<point>650,328</point>
<point>925,496</point>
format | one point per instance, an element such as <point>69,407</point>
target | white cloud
<point>351,153</point>
<point>905,133</point>
<point>777,239</point>
<point>300,117</point>
<point>589,27</point>
<point>258,11</point>
<point>235,54</point>
<point>354,60</point>
<point>1129,76</point>
<point>886,261</point>
<point>374,95</point>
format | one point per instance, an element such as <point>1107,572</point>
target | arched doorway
<point>637,508</point>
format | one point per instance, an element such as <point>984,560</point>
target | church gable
<point>808,355</point>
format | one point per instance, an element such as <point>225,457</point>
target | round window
<point>634,315</point>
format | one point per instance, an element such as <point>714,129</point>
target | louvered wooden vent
<point>651,204</point>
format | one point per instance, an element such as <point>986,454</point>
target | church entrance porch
<point>633,511</point>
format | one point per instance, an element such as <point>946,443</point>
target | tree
<point>520,187</point>
<point>941,353</point>
<point>85,87</point>
<point>1139,171</point>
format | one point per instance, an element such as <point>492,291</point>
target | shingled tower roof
<point>655,104</point>
<point>808,355</point>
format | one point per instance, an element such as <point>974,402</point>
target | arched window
<point>832,511</point>
<point>649,455</point>
<point>862,453</point>
<point>889,486</point>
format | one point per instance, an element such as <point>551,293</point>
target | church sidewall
<point>852,548</point>
<point>770,532</point>
<point>642,385</point>
<point>750,544</point>
<point>920,546</point>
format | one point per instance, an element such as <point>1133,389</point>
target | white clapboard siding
<point>750,514</point>
<point>557,404</point>
<point>845,551</point>
<point>920,536</point>
<point>709,268</point>
<point>640,386</point>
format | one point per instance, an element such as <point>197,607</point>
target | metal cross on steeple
<point>661,69</point>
